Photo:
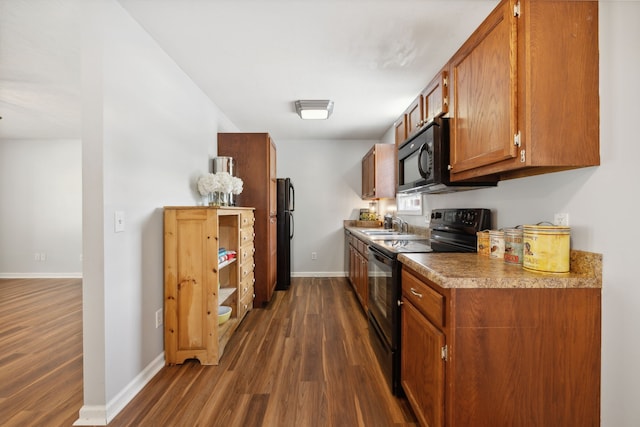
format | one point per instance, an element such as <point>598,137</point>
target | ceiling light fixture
<point>314,109</point>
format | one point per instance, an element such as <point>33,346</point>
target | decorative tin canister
<point>546,248</point>
<point>496,243</point>
<point>223,164</point>
<point>483,243</point>
<point>513,245</point>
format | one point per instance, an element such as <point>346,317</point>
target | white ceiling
<point>252,58</point>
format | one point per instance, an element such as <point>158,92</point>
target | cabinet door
<point>368,174</point>
<point>273,184</point>
<point>273,255</point>
<point>352,266</point>
<point>191,286</point>
<point>414,115</point>
<point>422,366</point>
<point>401,130</point>
<point>435,97</point>
<point>364,282</point>
<point>484,86</point>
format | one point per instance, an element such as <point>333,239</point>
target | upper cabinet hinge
<point>523,158</point>
<point>516,9</point>
<point>516,139</point>
<point>444,352</point>
<point>445,100</point>
<point>445,81</point>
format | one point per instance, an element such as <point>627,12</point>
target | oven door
<point>383,294</point>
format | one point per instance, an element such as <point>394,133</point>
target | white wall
<point>327,176</point>
<point>148,133</point>
<point>41,209</point>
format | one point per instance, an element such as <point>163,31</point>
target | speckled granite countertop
<point>414,232</point>
<point>456,270</point>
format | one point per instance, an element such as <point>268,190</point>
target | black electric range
<point>451,230</point>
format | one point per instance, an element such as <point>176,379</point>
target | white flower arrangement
<point>236,187</point>
<point>221,182</point>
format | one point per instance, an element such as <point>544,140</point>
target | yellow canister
<point>496,243</point>
<point>513,245</point>
<point>546,248</point>
<point>483,243</point>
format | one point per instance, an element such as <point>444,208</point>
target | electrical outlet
<point>314,255</point>
<point>36,256</point>
<point>561,219</point>
<point>158,318</point>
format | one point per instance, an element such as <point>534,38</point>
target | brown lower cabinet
<point>500,357</point>
<point>359,268</point>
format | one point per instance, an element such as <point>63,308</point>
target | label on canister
<point>496,242</point>
<point>483,243</point>
<point>546,248</point>
<point>513,245</point>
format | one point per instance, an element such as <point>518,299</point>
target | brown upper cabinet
<point>431,103</point>
<point>400,127</point>
<point>414,116</point>
<point>525,91</point>
<point>435,97</point>
<point>379,172</point>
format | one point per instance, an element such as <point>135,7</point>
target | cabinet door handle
<point>413,291</point>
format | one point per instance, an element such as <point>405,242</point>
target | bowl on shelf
<point>224,313</point>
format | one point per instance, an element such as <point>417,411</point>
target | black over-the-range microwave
<point>423,162</point>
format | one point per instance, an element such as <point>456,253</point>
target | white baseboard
<point>319,274</point>
<point>40,275</point>
<point>101,415</point>
<point>92,415</point>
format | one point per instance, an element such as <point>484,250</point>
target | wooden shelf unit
<point>196,283</point>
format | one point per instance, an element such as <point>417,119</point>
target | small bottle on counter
<point>513,245</point>
<point>483,243</point>
<point>496,242</point>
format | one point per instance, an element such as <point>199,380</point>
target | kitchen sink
<point>379,232</point>
<point>386,234</point>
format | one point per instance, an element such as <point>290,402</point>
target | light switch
<point>119,221</point>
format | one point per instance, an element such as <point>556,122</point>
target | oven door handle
<point>379,256</point>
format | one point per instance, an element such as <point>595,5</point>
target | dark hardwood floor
<point>305,360</point>
<point>40,351</point>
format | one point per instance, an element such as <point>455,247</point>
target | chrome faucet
<point>401,224</point>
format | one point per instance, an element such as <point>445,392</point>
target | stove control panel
<point>468,221</point>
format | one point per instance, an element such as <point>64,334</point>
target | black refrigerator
<point>286,206</point>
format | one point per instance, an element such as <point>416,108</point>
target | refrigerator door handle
<point>292,201</point>
<point>291,228</point>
